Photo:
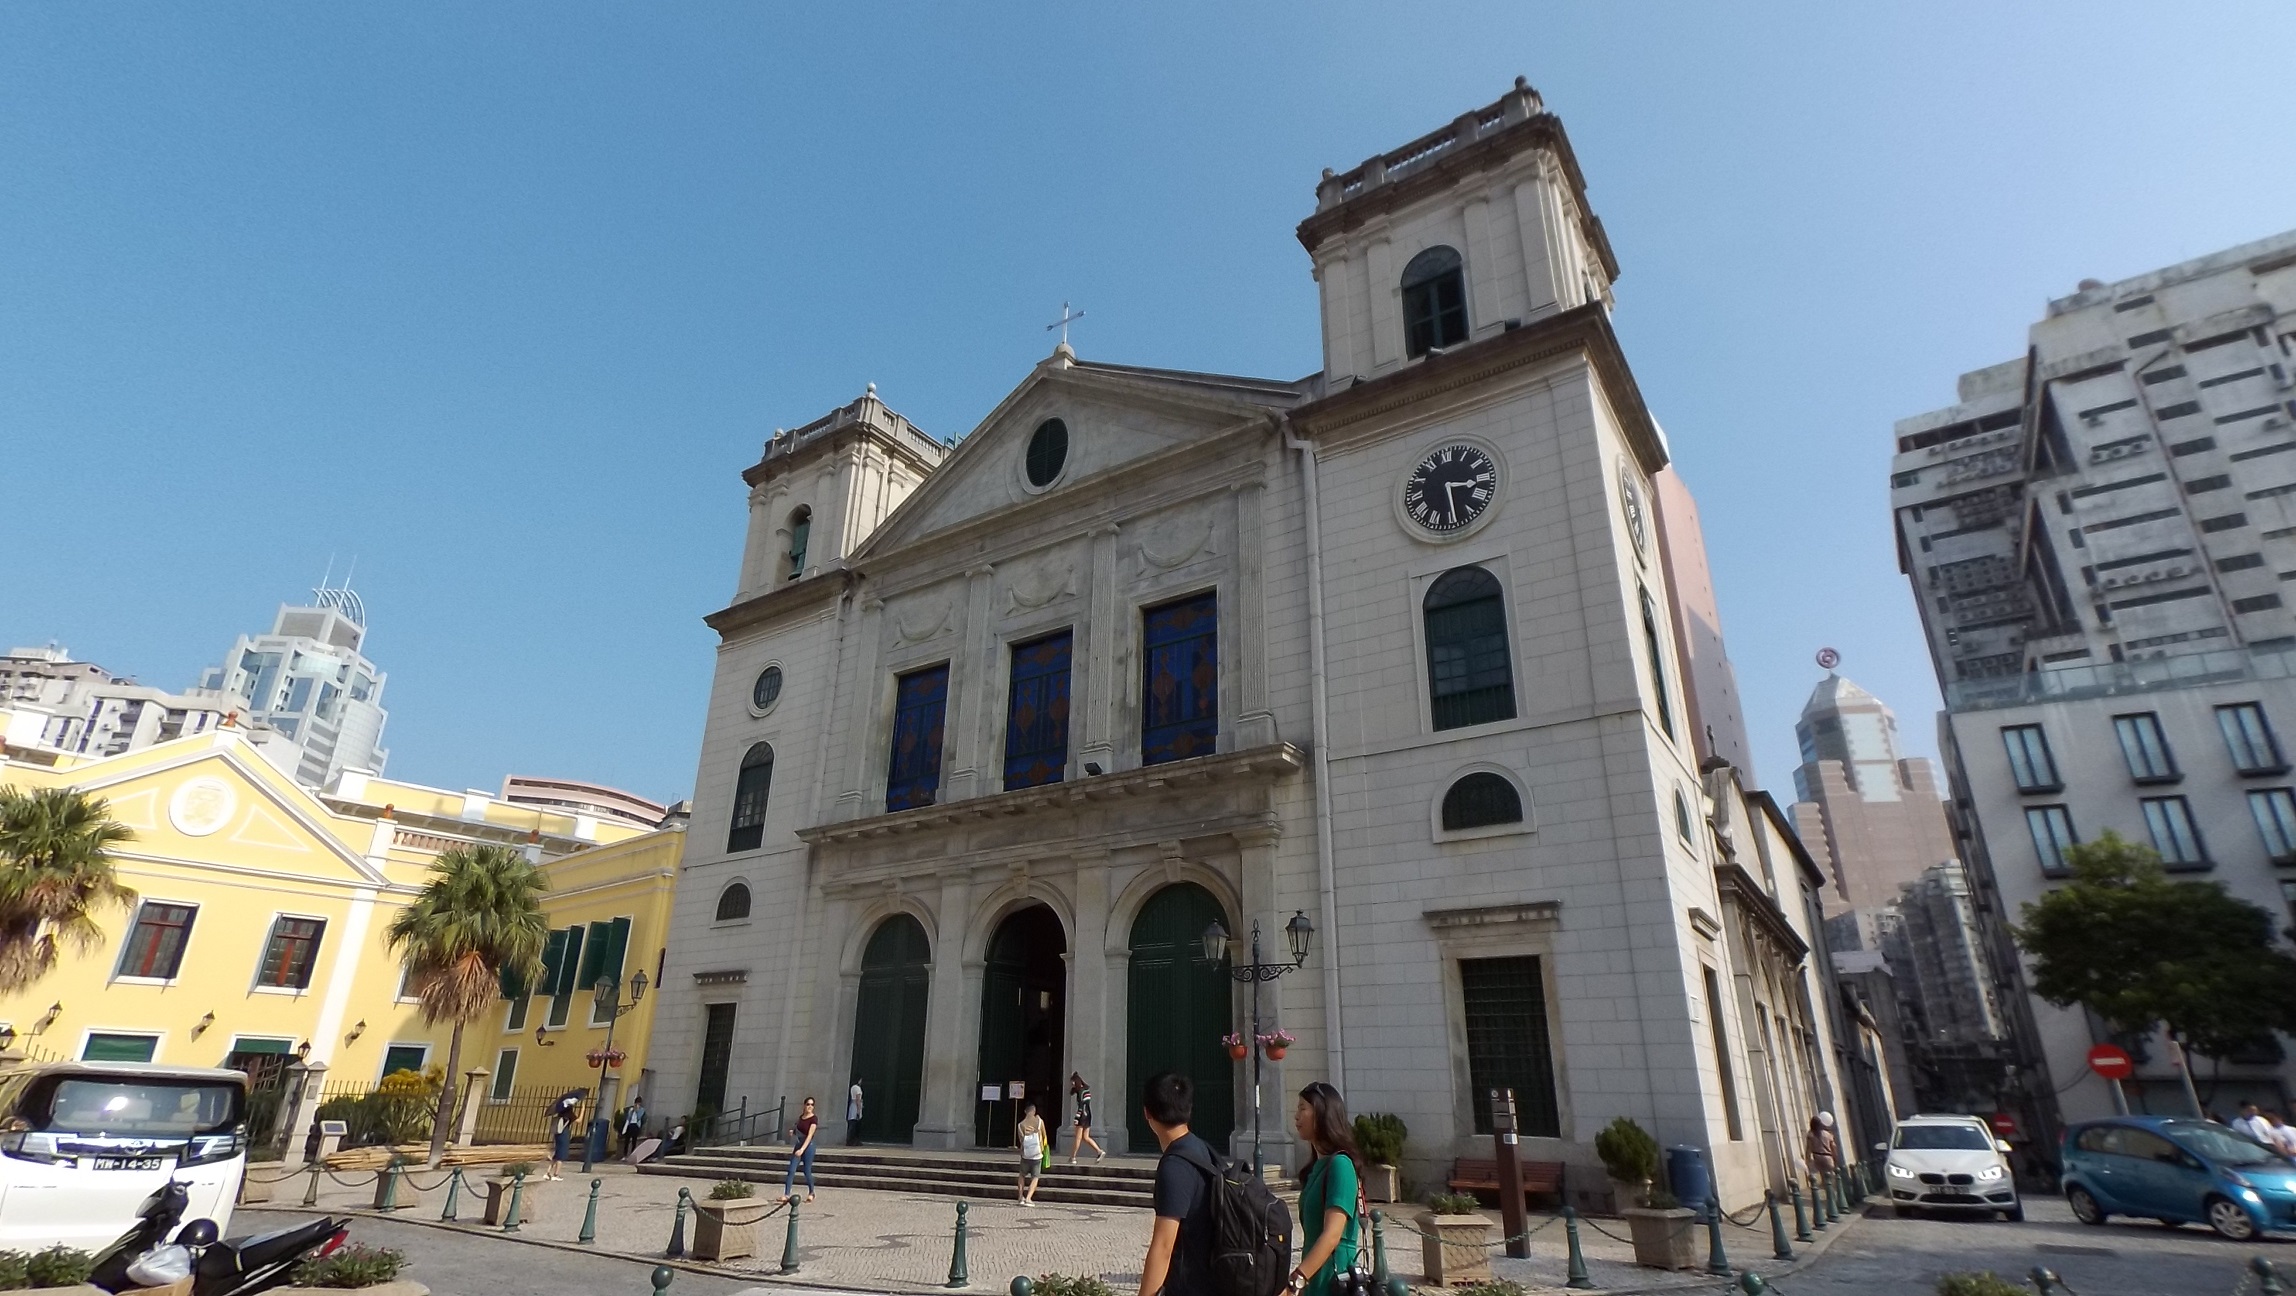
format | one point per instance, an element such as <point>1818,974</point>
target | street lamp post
<point>610,1006</point>
<point>1299,932</point>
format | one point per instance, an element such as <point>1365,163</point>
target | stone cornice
<point>1489,152</point>
<point>1258,764</point>
<point>778,601</point>
<point>1739,886</point>
<point>1543,914</point>
<point>1583,331</point>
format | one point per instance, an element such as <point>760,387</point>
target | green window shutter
<point>242,1044</point>
<point>553,953</point>
<point>594,956</point>
<point>119,1048</point>
<point>617,946</point>
<point>569,964</point>
<point>512,986</point>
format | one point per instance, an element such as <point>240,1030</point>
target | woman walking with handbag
<point>1035,1150</point>
<point>1082,1093</point>
<point>1330,1192</point>
<point>808,1126</point>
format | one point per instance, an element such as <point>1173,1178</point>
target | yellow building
<point>261,909</point>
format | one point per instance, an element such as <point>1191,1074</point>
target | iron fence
<point>522,1117</point>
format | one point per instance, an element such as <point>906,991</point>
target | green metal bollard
<point>1578,1279</point>
<point>1021,1286</point>
<point>590,1215</point>
<point>1716,1262</point>
<point>789,1244</point>
<point>2267,1277</point>
<point>958,1277</point>
<point>517,1198</point>
<point>1801,1222</point>
<point>662,1276</point>
<point>453,1196</point>
<point>1830,1188</point>
<point>2047,1283</point>
<point>1817,1201</point>
<point>311,1194</point>
<point>677,1247</point>
<point>1379,1271</point>
<point>387,1188</point>
<point>1780,1249</point>
<point>1752,1284</point>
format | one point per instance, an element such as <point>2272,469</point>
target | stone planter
<point>1382,1183</point>
<point>1454,1249</point>
<point>1663,1239</point>
<point>250,1190</point>
<point>498,1201</point>
<point>1625,1193</point>
<point>727,1230</point>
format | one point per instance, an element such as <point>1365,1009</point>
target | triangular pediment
<point>1115,417</point>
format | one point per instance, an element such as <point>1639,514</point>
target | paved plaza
<point>864,1240</point>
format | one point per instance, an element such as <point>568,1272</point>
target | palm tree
<point>479,916</point>
<point>55,874</point>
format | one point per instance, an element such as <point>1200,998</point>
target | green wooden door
<point>889,1029</point>
<point>1024,1015</point>
<point>1180,1006</point>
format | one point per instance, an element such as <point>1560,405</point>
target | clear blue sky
<point>500,297</point>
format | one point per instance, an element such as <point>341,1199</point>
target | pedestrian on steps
<point>1082,1093</point>
<point>801,1150</point>
<point>1330,1194</point>
<point>853,1114</point>
<point>1035,1150</point>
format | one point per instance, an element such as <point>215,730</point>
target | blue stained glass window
<point>1036,718</point>
<point>920,703</point>
<point>1180,694</point>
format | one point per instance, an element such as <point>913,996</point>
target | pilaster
<point>1256,879</point>
<point>1102,624</point>
<point>944,1112</point>
<point>864,759</point>
<point>1379,291</point>
<point>1248,640</point>
<point>1539,279</point>
<point>1088,984</point>
<point>972,681</point>
<point>1482,289</point>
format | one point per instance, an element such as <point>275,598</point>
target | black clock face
<point>1450,488</point>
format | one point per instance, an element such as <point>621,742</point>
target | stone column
<point>944,1116</point>
<point>1482,310</point>
<point>473,1093</point>
<point>1248,640</point>
<point>1088,988</point>
<point>1383,293</point>
<point>1256,880</point>
<point>1540,282</point>
<point>302,1101</point>
<point>1099,660</point>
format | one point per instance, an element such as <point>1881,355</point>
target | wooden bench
<point>1544,1178</point>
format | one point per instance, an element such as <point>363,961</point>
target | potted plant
<point>1665,1235</point>
<point>1379,1137</point>
<point>498,1189</point>
<point>611,1057</point>
<point>57,1269</point>
<point>374,1270</point>
<point>1454,1241</point>
<point>725,1225</point>
<point>1237,1049</point>
<point>1277,1042</point>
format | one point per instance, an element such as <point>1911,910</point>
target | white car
<point>1949,1163</point>
<point>83,1143</point>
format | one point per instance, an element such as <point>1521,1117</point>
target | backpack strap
<point>1203,1164</point>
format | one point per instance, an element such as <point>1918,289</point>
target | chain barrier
<point>1523,1236</point>
<point>1753,1212</point>
<point>282,1177</point>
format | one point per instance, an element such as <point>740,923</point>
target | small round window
<point>1047,452</point>
<point>767,690</point>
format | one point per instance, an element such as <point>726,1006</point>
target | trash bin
<point>1687,1177</point>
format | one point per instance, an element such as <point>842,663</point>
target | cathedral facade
<point>1375,671</point>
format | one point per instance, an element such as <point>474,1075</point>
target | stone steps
<point>1118,1182</point>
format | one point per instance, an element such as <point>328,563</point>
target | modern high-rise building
<point>1873,819</point>
<point>58,704</point>
<point>307,681</point>
<point>2099,535</point>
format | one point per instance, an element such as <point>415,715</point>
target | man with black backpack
<point>1220,1230</point>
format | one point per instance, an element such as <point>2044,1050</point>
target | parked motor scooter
<point>241,1266</point>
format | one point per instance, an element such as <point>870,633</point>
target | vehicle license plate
<point>129,1163</point>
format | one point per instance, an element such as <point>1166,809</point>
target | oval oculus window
<point>1047,452</point>
<point>767,690</point>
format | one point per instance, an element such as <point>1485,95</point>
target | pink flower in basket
<point>1279,1038</point>
<point>611,1057</point>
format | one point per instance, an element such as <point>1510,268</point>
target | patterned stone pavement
<point>860,1240</point>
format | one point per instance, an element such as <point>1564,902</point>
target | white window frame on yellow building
<point>127,934</point>
<point>158,1040</point>
<point>318,952</point>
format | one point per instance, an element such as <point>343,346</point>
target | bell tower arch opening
<point>1179,1005</point>
<point>889,1029</point>
<point>1024,1020</point>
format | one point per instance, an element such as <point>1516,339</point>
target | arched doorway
<point>1024,1016</point>
<point>1180,1005</point>
<point>889,1031</point>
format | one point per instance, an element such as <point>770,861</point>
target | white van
<point>83,1143</point>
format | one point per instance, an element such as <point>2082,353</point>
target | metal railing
<point>739,1126</point>
<point>2145,675</point>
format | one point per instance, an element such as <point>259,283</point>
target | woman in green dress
<point>1329,1190</point>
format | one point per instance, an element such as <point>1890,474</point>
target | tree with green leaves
<point>56,875</point>
<point>2138,950</point>
<point>479,916</point>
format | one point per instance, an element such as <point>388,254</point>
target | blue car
<point>2178,1170</point>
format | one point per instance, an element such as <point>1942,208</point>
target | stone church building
<point>1001,727</point>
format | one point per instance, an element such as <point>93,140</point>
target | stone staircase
<point>1118,1181</point>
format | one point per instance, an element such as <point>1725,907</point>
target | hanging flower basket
<point>1277,1043</point>
<point>1237,1049</point>
<point>610,1057</point>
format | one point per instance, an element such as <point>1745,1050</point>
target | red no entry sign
<point>2112,1062</point>
<point>2004,1124</point>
